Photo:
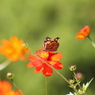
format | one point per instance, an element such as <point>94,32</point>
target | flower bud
<point>72,81</point>
<point>73,68</point>
<point>79,75</point>
<point>10,75</point>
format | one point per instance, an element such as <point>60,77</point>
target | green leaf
<point>85,86</point>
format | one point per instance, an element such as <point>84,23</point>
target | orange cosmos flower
<point>83,33</point>
<point>14,49</point>
<point>6,89</point>
<point>12,93</point>
<point>50,58</point>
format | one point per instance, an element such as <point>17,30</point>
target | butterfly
<point>51,45</point>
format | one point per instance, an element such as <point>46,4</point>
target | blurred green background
<point>33,21</point>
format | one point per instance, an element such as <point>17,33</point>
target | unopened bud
<point>72,81</point>
<point>79,75</point>
<point>10,75</point>
<point>73,68</point>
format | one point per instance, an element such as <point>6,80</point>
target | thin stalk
<point>76,80</point>
<point>4,64</point>
<point>46,83</point>
<point>16,87</point>
<point>93,44</point>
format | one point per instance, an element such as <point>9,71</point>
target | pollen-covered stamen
<point>44,55</point>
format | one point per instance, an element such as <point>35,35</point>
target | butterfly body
<point>51,45</point>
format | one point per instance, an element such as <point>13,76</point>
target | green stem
<point>76,80</point>
<point>46,83</point>
<point>57,72</point>
<point>4,64</point>
<point>16,87</point>
<point>93,44</point>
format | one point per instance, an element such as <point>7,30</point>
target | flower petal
<point>85,31</point>
<point>5,42</point>
<point>37,63</point>
<point>16,92</point>
<point>38,69</point>
<point>32,57</point>
<point>47,71</point>
<point>56,56</point>
<point>80,36</point>
<point>30,65</point>
<point>56,64</point>
<point>5,86</point>
<point>10,93</point>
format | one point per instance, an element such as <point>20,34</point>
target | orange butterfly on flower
<point>51,45</point>
<point>47,55</point>
<point>83,33</point>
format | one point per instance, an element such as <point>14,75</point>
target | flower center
<point>44,55</point>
